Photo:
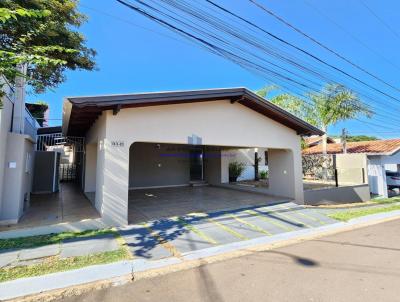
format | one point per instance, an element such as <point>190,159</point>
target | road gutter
<point>99,276</point>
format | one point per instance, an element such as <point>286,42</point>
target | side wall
<point>17,179</point>
<point>90,167</point>
<point>158,165</point>
<point>5,125</point>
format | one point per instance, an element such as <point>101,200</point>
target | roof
<point>314,140</point>
<point>79,113</point>
<point>49,130</point>
<point>379,147</point>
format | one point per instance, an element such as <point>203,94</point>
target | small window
<point>266,157</point>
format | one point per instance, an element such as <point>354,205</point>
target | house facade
<point>155,140</point>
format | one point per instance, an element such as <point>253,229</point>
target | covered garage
<point>173,144</point>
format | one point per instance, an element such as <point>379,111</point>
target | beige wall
<point>90,167</point>
<point>17,181</point>
<point>352,169</point>
<point>217,123</point>
<point>5,125</point>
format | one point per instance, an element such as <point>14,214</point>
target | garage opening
<point>175,179</point>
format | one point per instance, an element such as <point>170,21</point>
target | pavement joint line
<point>163,242</point>
<point>196,231</point>
<point>228,229</point>
<point>253,226</point>
<point>290,217</point>
<point>270,220</point>
<point>312,218</point>
<point>48,285</point>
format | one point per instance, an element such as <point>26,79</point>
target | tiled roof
<point>387,146</point>
<point>311,140</point>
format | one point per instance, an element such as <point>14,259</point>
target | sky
<point>137,55</point>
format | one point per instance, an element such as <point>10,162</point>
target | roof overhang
<point>79,113</point>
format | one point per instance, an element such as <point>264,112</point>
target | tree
<point>334,103</point>
<point>41,33</point>
<point>361,138</point>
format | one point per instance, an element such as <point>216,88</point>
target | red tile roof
<point>311,140</point>
<point>388,146</point>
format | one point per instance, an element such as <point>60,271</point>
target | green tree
<point>333,104</point>
<point>42,34</point>
<point>361,138</point>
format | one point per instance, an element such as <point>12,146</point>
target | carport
<point>214,121</point>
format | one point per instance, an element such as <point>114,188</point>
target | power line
<point>354,37</point>
<point>245,63</point>
<point>263,8</point>
<point>388,27</point>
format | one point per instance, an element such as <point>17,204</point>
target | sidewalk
<point>174,241</point>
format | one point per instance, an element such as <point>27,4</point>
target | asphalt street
<point>360,265</point>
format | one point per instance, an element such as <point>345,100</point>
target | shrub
<point>235,170</point>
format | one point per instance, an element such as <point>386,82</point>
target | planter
<point>233,178</point>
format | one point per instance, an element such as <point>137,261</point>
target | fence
<point>324,171</point>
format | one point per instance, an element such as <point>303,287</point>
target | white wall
<point>217,123</point>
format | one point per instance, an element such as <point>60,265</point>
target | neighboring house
<point>315,140</point>
<point>17,140</point>
<point>382,156</point>
<point>167,139</point>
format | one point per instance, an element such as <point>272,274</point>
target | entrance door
<point>196,164</point>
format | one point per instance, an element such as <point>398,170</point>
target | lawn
<point>387,200</point>
<point>350,214</point>
<point>41,240</point>
<point>55,264</point>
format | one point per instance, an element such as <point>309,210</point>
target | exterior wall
<point>352,169</point>
<point>212,165</point>
<point>358,193</point>
<point>377,176</point>
<point>158,165</point>
<point>90,167</point>
<point>216,123</point>
<point>17,181</point>
<point>5,126</point>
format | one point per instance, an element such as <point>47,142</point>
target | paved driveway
<point>180,235</point>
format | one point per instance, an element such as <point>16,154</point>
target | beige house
<point>173,139</point>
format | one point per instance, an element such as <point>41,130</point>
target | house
<point>177,139</point>
<point>382,156</point>
<point>18,131</point>
<point>315,140</point>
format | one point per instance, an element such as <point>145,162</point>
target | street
<point>360,265</point>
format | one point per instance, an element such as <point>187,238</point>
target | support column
<point>285,174</point>
<point>112,183</point>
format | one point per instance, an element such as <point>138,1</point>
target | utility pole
<point>19,102</point>
<point>344,140</point>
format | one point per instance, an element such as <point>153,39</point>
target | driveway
<point>361,265</point>
<point>181,235</point>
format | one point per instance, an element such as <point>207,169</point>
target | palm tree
<point>334,103</point>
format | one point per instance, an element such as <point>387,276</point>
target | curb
<point>41,284</point>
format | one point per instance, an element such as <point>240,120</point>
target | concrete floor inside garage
<point>151,204</point>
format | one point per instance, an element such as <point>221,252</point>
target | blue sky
<point>141,56</point>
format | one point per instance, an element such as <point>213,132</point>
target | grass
<point>387,200</point>
<point>347,215</point>
<point>41,240</point>
<point>55,264</point>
